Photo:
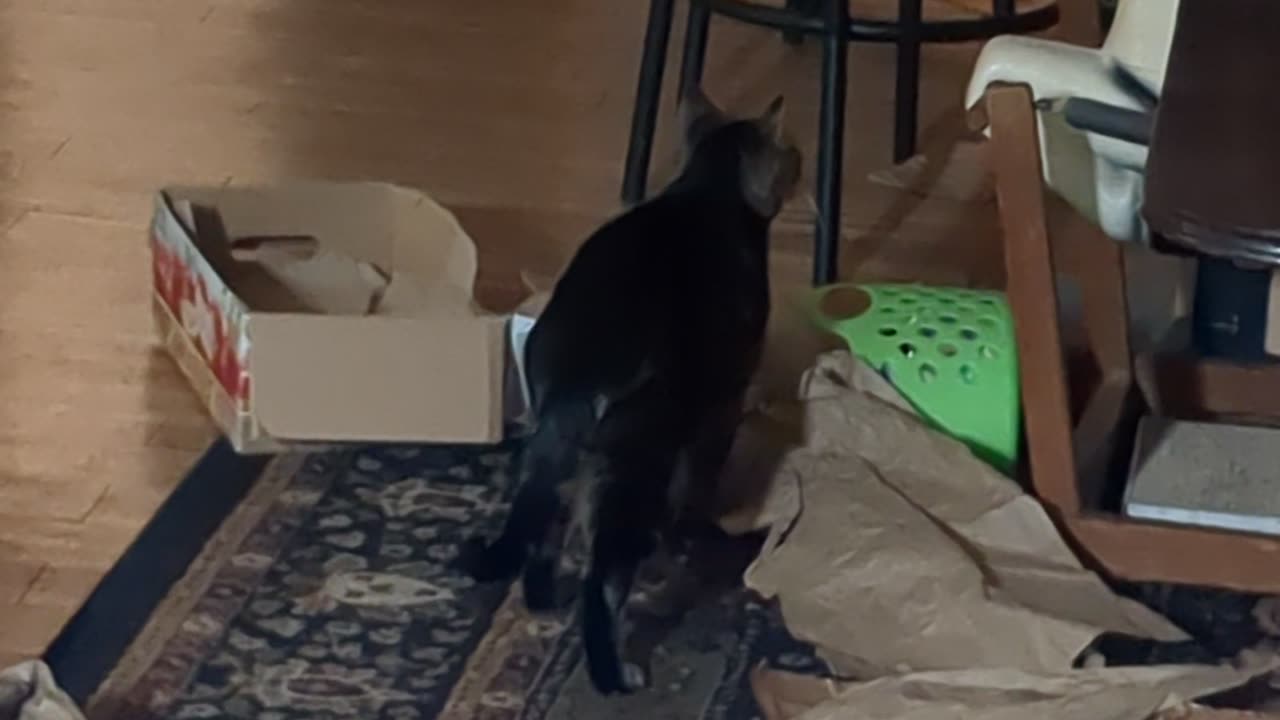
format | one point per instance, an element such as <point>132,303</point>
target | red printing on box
<point>204,316</point>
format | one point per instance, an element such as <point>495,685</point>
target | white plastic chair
<point>1100,176</point>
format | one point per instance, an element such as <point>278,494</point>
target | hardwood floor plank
<point>28,628</point>
<point>24,538</point>
<point>15,578</point>
<point>63,588</point>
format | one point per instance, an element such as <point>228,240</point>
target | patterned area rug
<point>331,593</point>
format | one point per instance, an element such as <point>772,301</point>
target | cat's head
<point>766,164</point>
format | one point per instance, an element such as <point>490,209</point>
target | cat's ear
<point>770,173</point>
<point>698,115</point>
<point>770,121</point>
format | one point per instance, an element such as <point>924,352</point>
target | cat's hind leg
<point>604,598</point>
<point>628,514</point>
<point>533,510</point>
<point>695,495</point>
<point>545,466</point>
<point>692,501</point>
<point>542,570</point>
<point>542,587</point>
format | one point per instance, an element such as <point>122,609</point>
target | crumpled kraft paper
<point>29,692</point>
<point>1134,693</point>
<point>893,549</point>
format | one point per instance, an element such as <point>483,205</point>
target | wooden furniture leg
<point>1072,461</point>
<point>1030,279</point>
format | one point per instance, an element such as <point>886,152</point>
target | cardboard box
<point>317,313</point>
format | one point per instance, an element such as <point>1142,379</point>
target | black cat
<point>637,370</point>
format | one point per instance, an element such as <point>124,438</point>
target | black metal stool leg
<point>695,45</point>
<point>807,7</point>
<point>644,116</point>
<point>907,92</point>
<point>835,52</point>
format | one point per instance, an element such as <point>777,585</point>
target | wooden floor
<point>514,114</point>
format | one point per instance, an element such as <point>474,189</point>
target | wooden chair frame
<point>1075,462</point>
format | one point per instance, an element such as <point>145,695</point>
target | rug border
<point>93,641</point>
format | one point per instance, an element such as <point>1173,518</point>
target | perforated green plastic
<point>950,352</point>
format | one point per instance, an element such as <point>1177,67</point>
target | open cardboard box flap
<point>361,323</point>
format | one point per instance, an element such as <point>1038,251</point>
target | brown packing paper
<point>538,289</point>
<point>756,498</point>
<point>783,695</point>
<point>893,549</point>
<point>1134,693</point>
<point>284,274</point>
<point>291,274</point>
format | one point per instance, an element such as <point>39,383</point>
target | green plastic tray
<point>950,352</point>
